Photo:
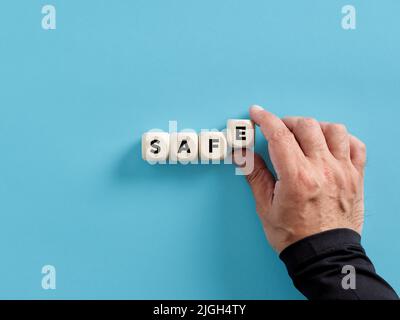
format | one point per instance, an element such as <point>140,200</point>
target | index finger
<point>285,152</point>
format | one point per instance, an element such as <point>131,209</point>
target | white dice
<point>184,147</point>
<point>155,146</point>
<point>240,133</point>
<point>213,145</point>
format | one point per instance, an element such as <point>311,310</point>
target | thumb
<point>260,179</point>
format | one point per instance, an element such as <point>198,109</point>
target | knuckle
<point>288,118</point>
<point>318,144</point>
<point>329,174</point>
<point>305,185</point>
<point>308,122</point>
<point>363,148</point>
<point>282,134</point>
<point>353,187</point>
<point>338,128</point>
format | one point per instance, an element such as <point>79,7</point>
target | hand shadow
<point>131,168</point>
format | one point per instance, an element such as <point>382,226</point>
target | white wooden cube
<point>240,133</point>
<point>184,147</point>
<point>155,146</point>
<point>213,145</point>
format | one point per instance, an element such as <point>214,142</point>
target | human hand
<point>320,178</point>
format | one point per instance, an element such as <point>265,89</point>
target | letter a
<point>49,280</point>
<point>349,20</point>
<point>349,280</point>
<point>49,20</point>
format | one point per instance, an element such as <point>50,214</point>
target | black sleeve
<point>316,263</point>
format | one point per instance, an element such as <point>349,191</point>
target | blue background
<point>74,192</point>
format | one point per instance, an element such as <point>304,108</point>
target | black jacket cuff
<point>318,244</point>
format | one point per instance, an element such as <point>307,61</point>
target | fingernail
<point>256,108</point>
